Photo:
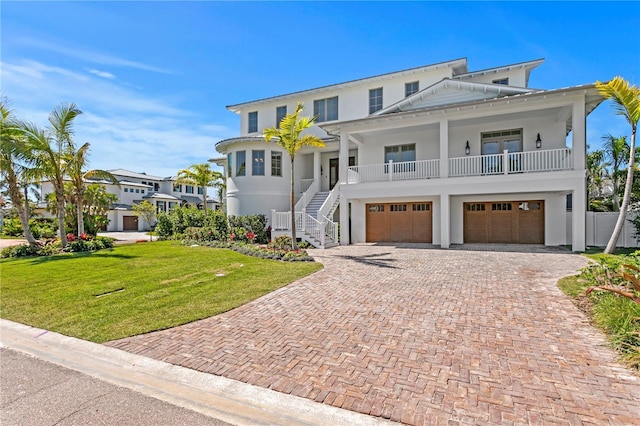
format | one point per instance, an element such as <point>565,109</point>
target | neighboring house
<point>436,154</point>
<point>163,192</point>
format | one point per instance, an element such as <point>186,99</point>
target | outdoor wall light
<point>538,142</point>
<point>467,149</point>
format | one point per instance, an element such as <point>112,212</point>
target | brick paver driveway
<point>420,336</point>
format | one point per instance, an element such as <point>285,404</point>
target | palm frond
<point>626,98</point>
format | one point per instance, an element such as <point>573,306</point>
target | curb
<point>225,399</point>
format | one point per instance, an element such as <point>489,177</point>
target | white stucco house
<point>163,192</point>
<point>436,154</point>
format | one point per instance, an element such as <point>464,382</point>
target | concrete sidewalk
<point>212,396</point>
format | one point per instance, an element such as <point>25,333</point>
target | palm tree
<point>616,152</point>
<point>626,102</point>
<point>14,161</point>
<point>51,150</point>
<point>77,160</point>
<point>200,175</point>
<point>289,137</point>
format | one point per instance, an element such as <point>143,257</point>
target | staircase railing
<point>307,196</point>
<point>330,230</point>
<point>330,203</point>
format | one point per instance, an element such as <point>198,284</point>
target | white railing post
<point>390,170</point>
<point>505,162</point>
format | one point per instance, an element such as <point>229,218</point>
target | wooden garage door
<point>399,222</point>
<point>129,223</point>
<point>520,222</point>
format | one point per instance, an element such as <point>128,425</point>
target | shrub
<point>268,252</point>
<point>283,242</point>
<point>20,250</point>
<point>164,226</point>
<point>12,228</point>
<point>256,224</point>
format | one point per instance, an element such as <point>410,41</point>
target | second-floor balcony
<point>480,165</point>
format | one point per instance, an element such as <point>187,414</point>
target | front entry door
<point>334,171</point>
<point>334,174</point>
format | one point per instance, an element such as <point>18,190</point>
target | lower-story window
<point>161,206</point>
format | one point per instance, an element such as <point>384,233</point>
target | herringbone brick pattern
<point>419,336</point>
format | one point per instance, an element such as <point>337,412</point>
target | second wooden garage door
<point>520,222</point>
<point>399,222</point>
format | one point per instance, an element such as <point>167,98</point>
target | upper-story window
<point>177,187</point>
<point>257,168</point>
<point>375,100</point>
<point>504,81</point>
<point>241,166</point>
<point>126,190</point>
<point>188,189</point>
<point>253,122</point>
<point>229,164</point>
<point>497,142</point>
<point>276,163</point>
<point>156,187</point>
<point>200,191</point>
<point>411,88</point>
<point>281,111</point>
<point>326,109</point>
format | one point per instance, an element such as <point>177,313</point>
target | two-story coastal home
<point>436,154</point>
<point>163,192</point>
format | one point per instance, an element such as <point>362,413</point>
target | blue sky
<point>153,78</point>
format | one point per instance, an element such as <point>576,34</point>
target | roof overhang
<point>459,66</point>
<point>527,66</point>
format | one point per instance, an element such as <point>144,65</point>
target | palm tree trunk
<point>294,242</point>
<point>16,199</point>
<point>204,202</point>
<point>611,245</point>
<point>80,213</point>
<point>61,227</point>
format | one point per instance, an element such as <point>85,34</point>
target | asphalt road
<point>36,392</point>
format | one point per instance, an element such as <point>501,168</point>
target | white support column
<point>343,162</point>
<point>316,169</point>
<point>445,219</point>
<point>444,148</point>
<point>578,218</point>
<point>579,134</point>
<point>344,221</point>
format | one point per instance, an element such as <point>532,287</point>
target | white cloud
<point>89,56</point>
<point>126,127</point>
<point>103,74</point>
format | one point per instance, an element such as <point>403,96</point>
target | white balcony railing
<point>514,162</point>
<point>423,169</point>
<point>479,165</point>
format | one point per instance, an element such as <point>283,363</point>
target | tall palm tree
<point>51,148</point>
<point>200,175</point>
<point>76,162</point>
<point>289,137</point>
<point>626,102</point>
<point>14,165</point>
<point>616,152</point>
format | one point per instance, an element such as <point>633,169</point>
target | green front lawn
<point>137,288</point>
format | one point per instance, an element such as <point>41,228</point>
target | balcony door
<point>494,143</point>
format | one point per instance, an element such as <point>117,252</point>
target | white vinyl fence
<point>600,226</point>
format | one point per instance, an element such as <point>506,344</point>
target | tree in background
<point>200,175</point>
<point>289,137</point>
<point>626,102</point>
<point>14,165</point>
<point>616,153</point>
<point>77,161</point>
<point>146,211</point>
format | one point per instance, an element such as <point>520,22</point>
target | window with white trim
<point>504,81</point>
<point>241,166</point>
<point>326,109</point>
<point>281,111</point>
<point>253,122</point>
<point>411,88</point>
<point>375,100</point>
<point>276,163</point>
<point>257,164</point>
